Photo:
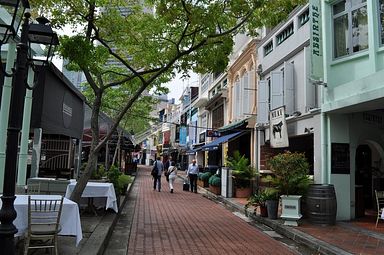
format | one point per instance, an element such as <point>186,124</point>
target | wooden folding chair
<point>380,204</point>
<point>33,189</point>
<point>43,223</point>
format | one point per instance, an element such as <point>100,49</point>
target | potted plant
<point>215,184</point>
<point>258,200</point>
<point>203,179</point>
<point>242,173</point>
<point>290,178</point>
<point>271,197</point>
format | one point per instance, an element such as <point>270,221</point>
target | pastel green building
<point>353,102</point>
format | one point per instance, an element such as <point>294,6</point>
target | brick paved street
<point>188,223</point>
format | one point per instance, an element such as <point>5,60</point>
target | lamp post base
<point>7,229</point>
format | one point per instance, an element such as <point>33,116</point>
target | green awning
<point>233,125</point>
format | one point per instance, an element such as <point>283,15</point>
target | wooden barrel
<point>321,204</point>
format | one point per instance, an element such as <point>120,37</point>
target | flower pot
<point>263,211</point>
<point>272,206</point>
<point>215,189</point>
<point>200,183</point>
<point>243,192</point>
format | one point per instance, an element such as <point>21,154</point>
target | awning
<point>233,125</point>
<point>215,144</point>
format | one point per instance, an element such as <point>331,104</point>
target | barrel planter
<point>321,204</point>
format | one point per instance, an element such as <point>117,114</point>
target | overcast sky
<point>177,85</point>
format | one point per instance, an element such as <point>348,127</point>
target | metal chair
<point>380,204</point>
<point>21,190</point>
<point>43,223</point>
<point>33,189</point>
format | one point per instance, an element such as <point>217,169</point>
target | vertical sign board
<point>278,128</point>
<point>225,153</point>
<point>316,40</point>
<point>183,135</point>
<point>340,163</point>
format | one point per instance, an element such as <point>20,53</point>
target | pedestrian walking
<point>168,163</point>
<point>158,168</point>
<point>192,172</point>
<point>172,173</point>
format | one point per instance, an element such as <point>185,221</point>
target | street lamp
<point>30,33</point>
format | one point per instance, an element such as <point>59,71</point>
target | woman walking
<point>172,173</point>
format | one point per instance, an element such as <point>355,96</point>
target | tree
<point>152,41</point>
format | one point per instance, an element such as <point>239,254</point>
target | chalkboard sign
<point>340,158</point>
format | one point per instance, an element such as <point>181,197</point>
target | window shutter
<point>238,102</point>
<point>276,89</point>
<point>234,100</point>
<point>251,92</point>
<point>246,92</point>
<point>289,88</point>
<point>262,101</point>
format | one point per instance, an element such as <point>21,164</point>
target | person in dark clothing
<point>168,163</point>
<point>192,172</point>
<point>157,178</point>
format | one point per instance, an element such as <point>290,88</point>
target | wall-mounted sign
<point>278,128</point>
<point>202,137</point>
<point>316,40</point>
<point>340,158</point>
<point>212,133</point>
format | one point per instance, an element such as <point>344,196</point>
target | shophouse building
<point>353,97</point>
<point>288,113</point>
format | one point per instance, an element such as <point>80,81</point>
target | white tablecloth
<point>97,189</point>
<point>69,221</point>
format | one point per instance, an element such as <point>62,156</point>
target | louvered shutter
<point>238,96</point>
<point>262,102</point>
<point>289,88</point>
<point>246,92</point>
<point>251,92</point>
<point>277,87</point>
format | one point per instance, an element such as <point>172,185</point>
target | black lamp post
<point>30,33</point>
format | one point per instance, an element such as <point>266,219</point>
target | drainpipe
<point>4,108</point>
<point>23,154</point>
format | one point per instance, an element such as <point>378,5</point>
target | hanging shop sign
<point>278,128</point>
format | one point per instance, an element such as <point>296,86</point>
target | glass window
<point>340,27</point>
<point>381,11</point>
<point>350,27</point>
<point>359,29</point>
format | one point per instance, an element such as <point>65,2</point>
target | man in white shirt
<point>192,172</point>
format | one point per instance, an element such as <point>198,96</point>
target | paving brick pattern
<point>188,223</point>
<point>356,240</point>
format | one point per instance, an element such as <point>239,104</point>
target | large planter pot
<point>263,211</point>
<point>290,209</point>
<point>215,189</point>
<point>272,206</point>
<point>243,192</point>
<point>202,183</point>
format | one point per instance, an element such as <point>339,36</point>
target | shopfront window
<point>350,27</point>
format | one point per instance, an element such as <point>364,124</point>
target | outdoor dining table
<point>69,220</point>
<point>97,190</point>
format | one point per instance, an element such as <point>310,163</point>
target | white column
<point>23,154</point>
<point>4,108</point>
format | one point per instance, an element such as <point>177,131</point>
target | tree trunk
<point>93,154</point>
<point>117,147</point>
